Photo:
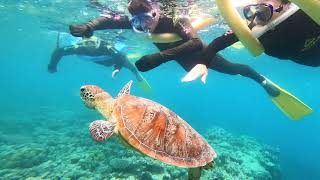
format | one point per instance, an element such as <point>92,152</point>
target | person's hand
<point>148,62</point>
<point>114,73</point>
<point>200,70</point>
<point>80,30</point>
<point>52,69</point>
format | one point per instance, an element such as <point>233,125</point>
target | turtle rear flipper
<point>194,173</point>
<point>208,166</point>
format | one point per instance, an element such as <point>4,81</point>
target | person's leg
<point>222,65</point>
<point>58,53</point>
<point>133,69</point>
<point>56,56</point>
<point>107,63</point>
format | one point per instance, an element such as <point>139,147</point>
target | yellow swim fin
<point>144,85</point>
<point>142,82</point>
<point>237,45</point>
<point>290,105</point>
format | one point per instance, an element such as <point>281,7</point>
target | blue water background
<point>232,102</point>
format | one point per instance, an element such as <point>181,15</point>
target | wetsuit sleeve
<point>103,22</point>
<point>109,22</point>
<point>217,45</point>
<point>192,43</point>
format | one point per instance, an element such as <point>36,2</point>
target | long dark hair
<point>139,6</point>
<point>285,1</point>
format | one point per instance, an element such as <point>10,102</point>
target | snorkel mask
<point>142,23</point>
<point>262,12</point>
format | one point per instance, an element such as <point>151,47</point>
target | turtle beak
<point>82,91</point>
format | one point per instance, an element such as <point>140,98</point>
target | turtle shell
<point>157,132</point>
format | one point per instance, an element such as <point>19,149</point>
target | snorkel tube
<point>310,7</point>
<point>239,27</point>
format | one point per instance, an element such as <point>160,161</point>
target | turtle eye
<point>154,14</point>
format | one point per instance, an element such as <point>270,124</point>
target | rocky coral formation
<point>56,144</point>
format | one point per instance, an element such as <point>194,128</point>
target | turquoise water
<point>44,134</point>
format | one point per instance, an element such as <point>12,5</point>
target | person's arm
<point>217,45</point>
<point>100,23</point>
<point>191,44</point>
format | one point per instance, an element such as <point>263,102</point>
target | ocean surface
<point>44,125</point>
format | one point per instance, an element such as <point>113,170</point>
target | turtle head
<point>91,95</point>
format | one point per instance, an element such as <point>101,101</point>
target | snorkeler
<point>146,17</point>
<point>188,52</point>
<point>98,51</point>
<point>296,38</point>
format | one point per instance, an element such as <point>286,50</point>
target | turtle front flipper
<point>101,130</point>
<point>125,91</point>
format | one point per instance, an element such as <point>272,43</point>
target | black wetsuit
<point>297,39</point>
<point>94,49</point>
<point>186,52</point>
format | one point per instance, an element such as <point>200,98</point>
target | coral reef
<point>242,157</point>
<point>54,144</point>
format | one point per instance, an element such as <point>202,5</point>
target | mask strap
<point>136,30</point>
<point>252,24</point>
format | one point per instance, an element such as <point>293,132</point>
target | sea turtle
<point>148,127</point>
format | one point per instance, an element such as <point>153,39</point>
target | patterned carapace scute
<point>159,133</point>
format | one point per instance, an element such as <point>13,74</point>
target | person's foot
<point>271,89</point>
<point>52,69</point>
<point>200,70</point>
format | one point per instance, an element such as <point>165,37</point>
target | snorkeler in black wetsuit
<point>97,51</point>
<point>297,38</point>
<point>187,52</point>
